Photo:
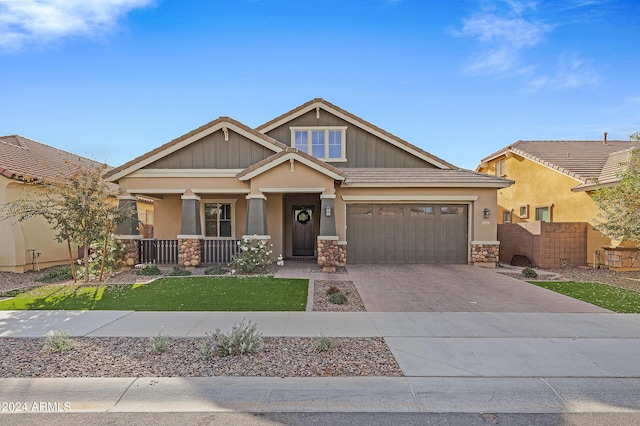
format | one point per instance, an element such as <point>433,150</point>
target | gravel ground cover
<point>321,299</point>
<point>130,357</point>
<point>629,280</point>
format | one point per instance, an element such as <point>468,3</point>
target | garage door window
<point>421,211</point>
<point>390,211</point>
<point>452,210</point>
<point>361,210</point>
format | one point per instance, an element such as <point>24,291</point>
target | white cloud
<point>572,72</point>
<point>502,37</point>
<point>40,21</point>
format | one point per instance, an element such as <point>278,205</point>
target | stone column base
<point>485,255</point>
<point>331,253</point>
<point>189,252</point>
<point>130,256</point>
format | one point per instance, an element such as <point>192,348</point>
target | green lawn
<point>171,294</point>
<point>606,296</point>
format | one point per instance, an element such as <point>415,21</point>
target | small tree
<point>78,205</point>
<point>619,205</point>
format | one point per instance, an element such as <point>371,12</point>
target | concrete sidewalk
<point>453,362</point>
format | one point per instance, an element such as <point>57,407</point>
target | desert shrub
<point>215,270</point>
<point>242,339</point>
<point>56,274</point>
<point>59,341</point>
<point>254,257</point>
<point>529,273</point>
<point>338,299</point>
<point>332,290</point>
<point>177,272</point>
<point>159,343</point>
<point>149,269</point>
<point>325,343</point>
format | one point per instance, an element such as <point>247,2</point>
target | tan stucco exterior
<point>537,185</point>
<point>18,238</point>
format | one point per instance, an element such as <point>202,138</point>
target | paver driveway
<point>454,288</point>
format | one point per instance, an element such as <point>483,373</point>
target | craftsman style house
<point>550,201</point>
<point>316,182</point>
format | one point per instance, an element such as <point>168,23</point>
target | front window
<point>542,214</point>
<point>506,216</point>
<point>218,220</point>
<point>324,143</point>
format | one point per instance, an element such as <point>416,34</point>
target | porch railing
<point>218,251</point>
<point>166,251</point>
<point>158,251</point>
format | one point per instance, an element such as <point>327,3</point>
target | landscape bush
<point>243,338</point>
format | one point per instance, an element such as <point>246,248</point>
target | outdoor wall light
<point>486,213</point>
<point>327,211</point>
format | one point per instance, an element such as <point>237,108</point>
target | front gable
<point>223,144</point>
<point>366,144</point>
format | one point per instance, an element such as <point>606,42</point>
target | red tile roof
<point>24,159</point>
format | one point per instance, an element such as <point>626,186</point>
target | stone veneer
<point>622,258</point>
<point>130,251</point>
<point>331,253</point>
<point>485,253</point>
<point>189,252</point>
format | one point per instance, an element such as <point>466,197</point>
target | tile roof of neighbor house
<point>582,160</point>
<point>22,158</point>
<point>609,173</point>
<point>423,177</point>
<point>354,118</point>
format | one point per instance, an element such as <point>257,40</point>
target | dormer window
<point>324,143</point>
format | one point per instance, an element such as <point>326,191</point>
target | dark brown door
<point>303,235</point>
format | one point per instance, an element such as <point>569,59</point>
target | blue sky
<point>113,79</point>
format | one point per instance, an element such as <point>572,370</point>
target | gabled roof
<point>609,173</point>
<point>581,160</point>
<point>193,136</point>
<point>287,155</point>
<point>25,159</point>
<point>356,121</point>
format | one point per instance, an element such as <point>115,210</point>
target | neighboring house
<point>554,181</point>
<point>25,243</point>
<point>22,244</point>
<point>317,182</point>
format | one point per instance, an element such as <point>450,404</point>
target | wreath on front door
<point>303,217</point>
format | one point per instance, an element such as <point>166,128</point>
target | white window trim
<point>326,129</point>
<point>233,217</point>
<point>549,210</point>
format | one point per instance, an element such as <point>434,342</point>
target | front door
<point>303,235</point>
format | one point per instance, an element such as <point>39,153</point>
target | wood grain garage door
<point>406,233</point>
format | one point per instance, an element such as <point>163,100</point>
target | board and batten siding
<point>363,148</point>
<point>213,152</point>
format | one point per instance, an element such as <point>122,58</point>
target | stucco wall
<point>19,237</point>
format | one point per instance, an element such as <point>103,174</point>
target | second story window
<point>324,143</point>
<point>500,167</point>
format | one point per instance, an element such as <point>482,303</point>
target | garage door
<point>406,233</point>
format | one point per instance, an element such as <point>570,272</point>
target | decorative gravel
<point>629,280</point>
<point>130,357</point>
<point>321,299</point>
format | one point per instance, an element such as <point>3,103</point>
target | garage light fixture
<point>327,211</point>
<point>486,213</point>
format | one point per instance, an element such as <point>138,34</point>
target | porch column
<point>190,232</point>
<point>327,215</point>
<point>126,233</point>
<point>330,252</point>
<point>256,215</point>
<point>129,226</point>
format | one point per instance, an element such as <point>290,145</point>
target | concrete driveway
<point>454,288</point>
